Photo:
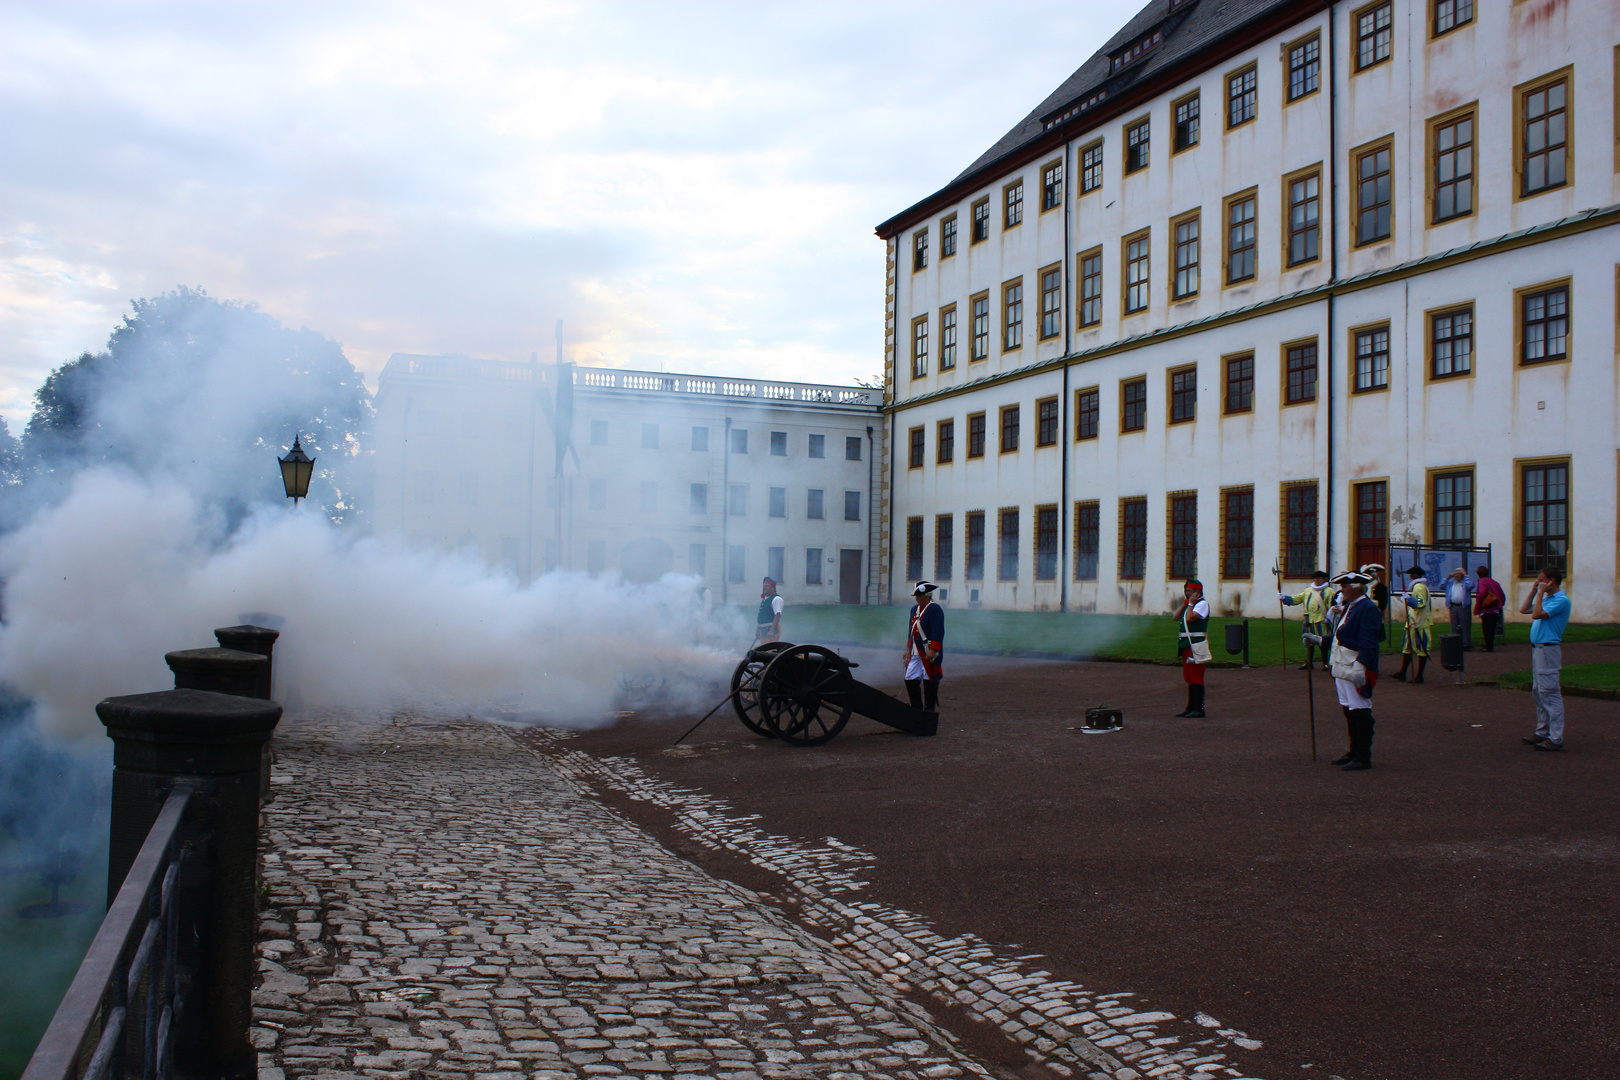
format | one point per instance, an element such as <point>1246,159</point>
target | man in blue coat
<point>925,647</point>
<point>1357,636</point>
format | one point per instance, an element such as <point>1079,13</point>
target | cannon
<point>805,694</point>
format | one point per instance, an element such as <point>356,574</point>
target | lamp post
<point>296,469</point>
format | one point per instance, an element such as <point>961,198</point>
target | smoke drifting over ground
<point>101,585</point>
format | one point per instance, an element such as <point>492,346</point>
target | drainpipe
<point>894,419</point>
<point>725,513</point>
<point>1065,444</point>
<point>1333,267</point>
<point>872,519</point>
<point>534,423</point>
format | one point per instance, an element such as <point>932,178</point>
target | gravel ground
<point>1451,913</point>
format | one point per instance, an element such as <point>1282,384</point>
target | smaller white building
<point>536,466</point>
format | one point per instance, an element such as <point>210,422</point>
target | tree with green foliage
<point>208,393</point>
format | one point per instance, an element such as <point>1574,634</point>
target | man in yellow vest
<point>1317,600</point>
<point>1419,617</point>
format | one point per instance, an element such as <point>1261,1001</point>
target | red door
<point>1372,522</point>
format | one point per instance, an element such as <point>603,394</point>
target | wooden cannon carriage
<point>805,694</point>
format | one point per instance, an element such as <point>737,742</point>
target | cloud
<point>689,185</point>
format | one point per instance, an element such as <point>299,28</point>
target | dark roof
<point>1188,28</point>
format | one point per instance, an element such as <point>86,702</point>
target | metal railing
<point>118,1014</point>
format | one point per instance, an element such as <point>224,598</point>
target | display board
<point>1439,562</point>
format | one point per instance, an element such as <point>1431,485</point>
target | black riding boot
<point>1195,709</point>
<point>1362,751</point>
<point>1188,711</point>
<point>930,689</point>
<point>1327,665</point>
<point>1350,733</point>
<point>914,692</point>
<point>1423,662</point>
<point>1406,662</point>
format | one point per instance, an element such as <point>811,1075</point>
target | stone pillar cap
<point>234,661</point>
<point>190,716</point>
<point>247,631</point>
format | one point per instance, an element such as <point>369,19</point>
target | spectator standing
<point>769,619</point>
<point>1488,601</point>
<point>1548,607</point>
<point>1377,590</point>
<point>1460,602</point>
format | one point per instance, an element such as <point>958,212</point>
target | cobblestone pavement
<point>1067,1028</point>
<point>443,903</point>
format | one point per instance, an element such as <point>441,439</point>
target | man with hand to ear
<point>1548,606</point>
<point>1193,645</point>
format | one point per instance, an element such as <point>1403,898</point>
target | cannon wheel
<point>805,694</point>
<point>745,686</point>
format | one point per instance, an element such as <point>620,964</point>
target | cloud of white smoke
<point>124,569</point>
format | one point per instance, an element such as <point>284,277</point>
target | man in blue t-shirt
<point>1548,607</point>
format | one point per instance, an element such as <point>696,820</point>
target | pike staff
<point>1282,614</point>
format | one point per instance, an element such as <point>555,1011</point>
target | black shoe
<point>1198,714</point>
<point>1400,676</point>
<point>1347,759</point>
<point>1306,666</point>
<point>1532,740</point>
<point>1417,680</point>
<point>1545,745</point>
<point>1184,712</point>
<point>1357,766</point>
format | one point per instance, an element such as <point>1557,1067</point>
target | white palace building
<point>1270,283</point>
<point>729,479</point>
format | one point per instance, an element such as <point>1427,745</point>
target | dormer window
<point>1133,52</point>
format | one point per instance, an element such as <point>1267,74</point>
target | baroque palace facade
<point>639,473</point>
<point>1266,284</point>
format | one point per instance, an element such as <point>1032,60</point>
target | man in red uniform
<point>925,646</point>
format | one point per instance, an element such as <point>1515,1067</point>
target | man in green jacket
<point>1317,600</point>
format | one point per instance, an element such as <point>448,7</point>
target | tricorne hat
<point>1418,571</point>
<point>923,587</point>
<point>1368,568</point>
<point>1352,577</point>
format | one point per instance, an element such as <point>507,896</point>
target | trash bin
<point>1451,652</point>
<point>1237,637</point>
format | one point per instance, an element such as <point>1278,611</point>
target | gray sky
<point>691,186</point>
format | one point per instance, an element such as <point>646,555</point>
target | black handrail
<point>128,973</point>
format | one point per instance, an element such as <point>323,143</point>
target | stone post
<point>211,741</point>
<point>261,640</point>
<point>253,639</point>
<point>224,671</point>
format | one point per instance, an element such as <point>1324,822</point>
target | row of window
<point>1544,147</point>
<point>1542,138</point>
<point>815,445</point>
<point>1542,332</point>
<point>1543,336</point>
<point>697,561</point>
<point>1543,504</point>
<point>776,501</point>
